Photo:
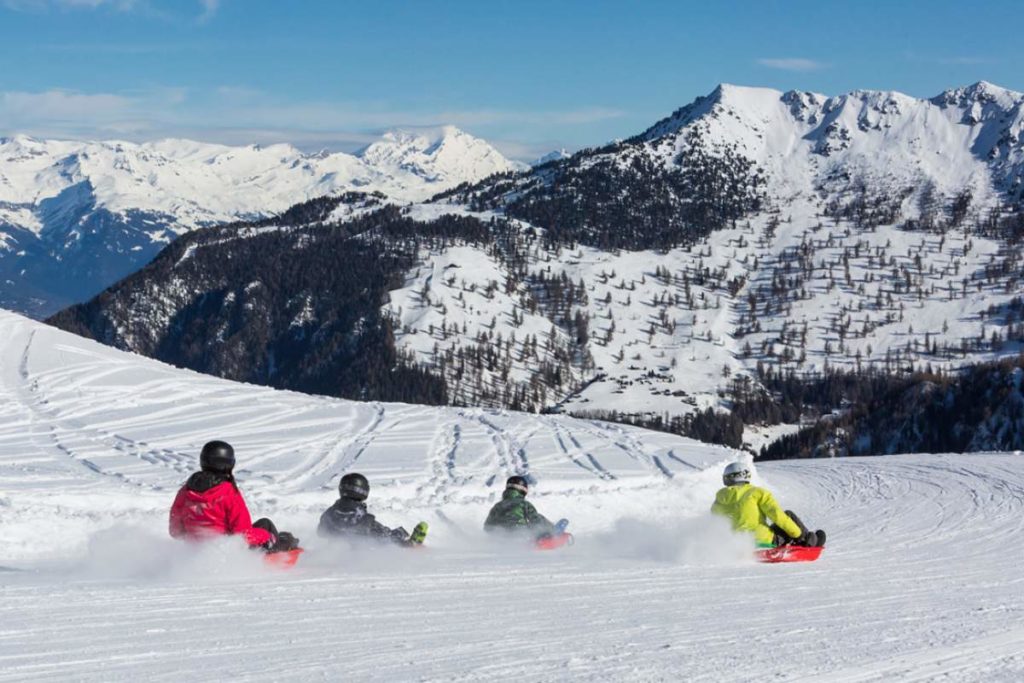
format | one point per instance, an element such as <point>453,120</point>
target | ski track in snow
<point>921,579</point>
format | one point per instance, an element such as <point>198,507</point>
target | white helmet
<point>736,473</point>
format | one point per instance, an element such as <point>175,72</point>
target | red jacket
<point>209,505</point>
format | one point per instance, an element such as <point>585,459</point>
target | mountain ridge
<point>76,216</point>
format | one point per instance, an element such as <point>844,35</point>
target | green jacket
<point>753,509</point>
<point>513,512</point>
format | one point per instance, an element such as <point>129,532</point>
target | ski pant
<point>782,538</point>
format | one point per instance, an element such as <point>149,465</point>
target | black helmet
<point>517,483</point>
<point>354,486</point>
<point>217,456</point>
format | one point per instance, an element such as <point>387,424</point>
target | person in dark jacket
<point>210,504</point>
<point>514,513</point>
<point>349,518</point>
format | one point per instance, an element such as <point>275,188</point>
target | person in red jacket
<point>210,504</point>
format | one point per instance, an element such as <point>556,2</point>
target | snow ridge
<point>964,137</point>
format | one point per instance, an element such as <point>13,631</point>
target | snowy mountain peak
<point>967,138</point>
<point>981,92</point>
<point>554,155</point>
<point>755,106</point>
<point>111,205</point>
<point>437,154</point>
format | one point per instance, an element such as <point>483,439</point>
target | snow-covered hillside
<point>917,582</point>
<point>77,216</point>
<point>667,330</point>
<point>889,239</point>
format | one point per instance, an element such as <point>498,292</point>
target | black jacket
<point>349,518</point>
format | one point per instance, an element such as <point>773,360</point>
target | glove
<point>400,534</point>
<point>419,533</point>
<point>808,539</point>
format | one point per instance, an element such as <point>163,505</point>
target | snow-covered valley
<point>919,580</point>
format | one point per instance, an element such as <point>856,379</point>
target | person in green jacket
<point>753,509</point>
<point>514,513</point>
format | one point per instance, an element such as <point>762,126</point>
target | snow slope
<point>917,582</point>
<point>100,210</point>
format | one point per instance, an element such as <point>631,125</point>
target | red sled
<point>789,553</point>
<point>283,560</point>
<point>553,542</point>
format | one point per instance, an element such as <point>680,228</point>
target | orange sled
<point>283,560</point>
<point>555,541</point>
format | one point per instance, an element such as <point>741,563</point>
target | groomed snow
<point>921,580</point>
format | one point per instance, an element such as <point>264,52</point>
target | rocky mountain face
<point>75,217</point>
<point>675,279</point>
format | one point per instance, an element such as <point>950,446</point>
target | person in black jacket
<point>348,517</point>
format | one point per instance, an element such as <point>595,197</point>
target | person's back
<point>514,513</point>
<point>210,504</point>
<point>348,516</point>
<point>753,509</point>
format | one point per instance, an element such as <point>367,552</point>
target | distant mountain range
<point>75,217</point>
<point>750,235</point>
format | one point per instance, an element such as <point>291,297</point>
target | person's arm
<point>773,511</point>
<point>176,524</point>
<point>489,523</point>
<point>374,528</point>
<point>238,520</point>
<point>535,520</point>
<point>326,528</point>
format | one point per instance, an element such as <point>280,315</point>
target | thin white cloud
<point>43,5</point>
<point>209,8</point>
<point>62,105</point>
<point>792,63</point>
<point>244,116</point>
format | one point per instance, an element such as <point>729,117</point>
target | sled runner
<point>788,553</point>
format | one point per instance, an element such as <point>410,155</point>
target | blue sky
<point>528,76</point>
